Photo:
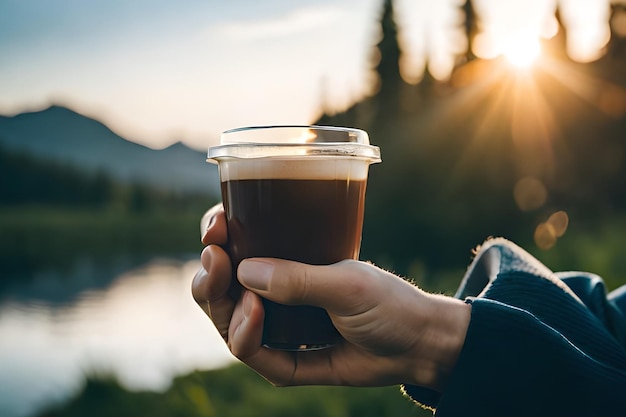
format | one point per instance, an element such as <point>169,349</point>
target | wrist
<point>442,340</point>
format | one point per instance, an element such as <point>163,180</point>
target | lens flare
<point>529,194</point>
<point>548,232</point>
<point>522,52</point>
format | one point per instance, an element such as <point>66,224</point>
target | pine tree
<point>471,28</point>
<point>388,67</point>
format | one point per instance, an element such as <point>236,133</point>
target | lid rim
<point>294,151</point>
<point>294,126</point>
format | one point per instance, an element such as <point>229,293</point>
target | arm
<point>534,346</point>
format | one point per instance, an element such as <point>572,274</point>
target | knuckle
<point>300,284</point>
<point>363,279</point>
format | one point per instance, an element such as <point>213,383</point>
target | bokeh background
<point>493,118</point>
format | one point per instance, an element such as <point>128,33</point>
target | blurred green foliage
<point>40,237</point>
<point>235,391</point>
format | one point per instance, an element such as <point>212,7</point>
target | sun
<point>522,52</point>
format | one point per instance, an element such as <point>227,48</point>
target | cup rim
<point>357,147</point>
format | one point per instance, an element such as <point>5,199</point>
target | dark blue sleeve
<point>538,343</point>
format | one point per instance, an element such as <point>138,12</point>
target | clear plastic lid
<point>294,142</point>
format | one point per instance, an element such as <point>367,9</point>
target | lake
<point>131,318</point>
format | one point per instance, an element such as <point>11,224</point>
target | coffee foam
<point>293,168</point>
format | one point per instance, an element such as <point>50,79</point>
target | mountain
<point>63,135</point>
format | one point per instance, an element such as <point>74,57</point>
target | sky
<point>158,72</point>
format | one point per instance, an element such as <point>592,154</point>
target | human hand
<point>392,331</point>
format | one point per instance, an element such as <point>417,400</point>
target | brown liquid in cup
<point>312,221</point>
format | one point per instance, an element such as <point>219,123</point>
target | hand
<point>393,332</point>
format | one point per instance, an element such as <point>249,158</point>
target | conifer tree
<point>471,28</point>
<point>388,67</point>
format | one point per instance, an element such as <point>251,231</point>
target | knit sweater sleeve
<point>535,345</point>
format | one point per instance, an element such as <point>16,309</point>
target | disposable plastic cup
<point>296,193</point>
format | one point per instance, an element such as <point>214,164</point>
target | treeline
<point>30,180</point>
<point>492,152</point>
<point>51,213</point>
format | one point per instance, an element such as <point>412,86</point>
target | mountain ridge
<point>64,135</point>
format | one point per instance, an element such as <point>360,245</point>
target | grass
<point>238,392</point>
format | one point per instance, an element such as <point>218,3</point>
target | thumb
<point>345,288</point>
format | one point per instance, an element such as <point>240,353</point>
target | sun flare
<point>522,52</point>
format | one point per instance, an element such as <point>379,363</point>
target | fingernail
<point>211,222</point>
<point>206,230</point>
<point>255,274</point>
<point>204,236</point>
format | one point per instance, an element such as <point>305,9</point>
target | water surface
<point>134,320</point>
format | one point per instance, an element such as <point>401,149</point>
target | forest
<point>31,180</point>
<point>52,212</point>
<point>493,151</point>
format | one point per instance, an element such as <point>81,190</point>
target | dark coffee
<point>311,221</point>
